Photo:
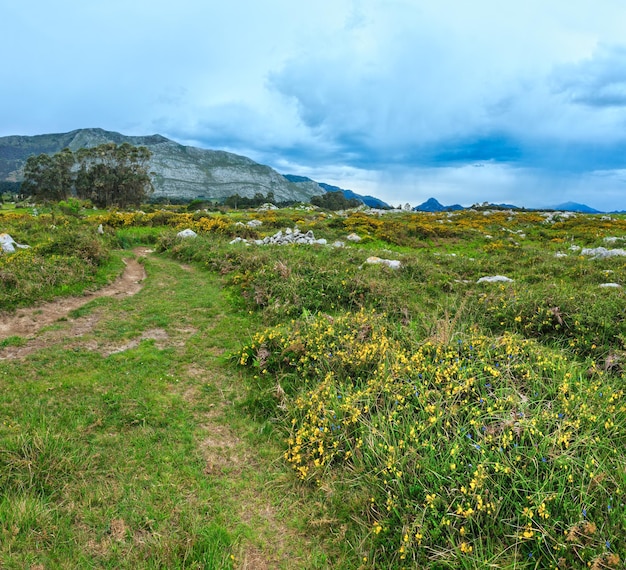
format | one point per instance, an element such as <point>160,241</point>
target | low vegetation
<point>416,417</point>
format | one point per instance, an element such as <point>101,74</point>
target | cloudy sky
<point>489,100</point>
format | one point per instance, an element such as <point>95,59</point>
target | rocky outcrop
<point>287,237</point>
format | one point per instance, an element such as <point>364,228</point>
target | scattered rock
<point>339,244</point>
<point>254,223</point>
<point>100,229</point>
<point>267,206</point>
<point>289,236</point>
<point>558,254</point>
<point>611,285</point>
<point>187,234</point>
<point>8,244</point>
<point>495,279</point>
<point>602,252</point>
<point>354,237</point>
<point>392,263</point>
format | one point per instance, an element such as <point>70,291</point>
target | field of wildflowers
<point>437,422</point>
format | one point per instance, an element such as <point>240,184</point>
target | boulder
<point>8,244</point>
<point>602,252</point>
<point>184,234</point>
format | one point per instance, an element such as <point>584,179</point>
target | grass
<point>255,401</point>
<point>123,458</point>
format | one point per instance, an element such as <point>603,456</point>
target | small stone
<point>392,263</point>
<point>495,279</point>
<point>184,234</point>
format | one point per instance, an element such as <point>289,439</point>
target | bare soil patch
<point>28,322</point>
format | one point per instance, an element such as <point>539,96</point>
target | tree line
<point>107,175</point>
<point>335,201</point>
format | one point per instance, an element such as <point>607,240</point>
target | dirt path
<point>208,392</point>
<point>26,322</point>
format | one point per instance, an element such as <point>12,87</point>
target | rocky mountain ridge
<point>180,171</point>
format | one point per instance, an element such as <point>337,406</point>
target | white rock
<point>610,285</point>
<point>338,244</point>
<point>8,244</point>
<point>187,234</point>
<point>392,263</point>
<point>602,252</point>
<point>100,229</point>
<point>266,206</point>
<point>353,237</point>
<point>321,241</point>
<point>236,240</point>
<point>254,223</point>
<point>495,279</point>
<point>558,254</point>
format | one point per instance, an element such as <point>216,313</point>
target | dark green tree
<point>334,201</point>
<point>112,175</point>
<point>49,177</point>
<point>108,175</point>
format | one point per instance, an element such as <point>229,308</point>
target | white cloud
<point>371,92</point>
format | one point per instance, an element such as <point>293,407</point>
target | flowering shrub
<point>489,447</point>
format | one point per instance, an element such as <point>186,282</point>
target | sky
<point>490,100</point>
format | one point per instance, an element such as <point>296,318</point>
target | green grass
<point>259,401</point>
<point>111,459</point>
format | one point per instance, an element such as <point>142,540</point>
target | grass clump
<point>65,257</point>
<point>447,453</point>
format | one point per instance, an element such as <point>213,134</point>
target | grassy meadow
<point>296,406</point>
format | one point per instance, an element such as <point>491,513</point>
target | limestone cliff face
<point>179,171</point>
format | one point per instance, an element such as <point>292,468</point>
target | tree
<point>49,177</point>
<point>112,175</point>
<point>108,175</point>
<point>335,201</point>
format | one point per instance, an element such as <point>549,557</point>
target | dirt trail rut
<point>27,322</point>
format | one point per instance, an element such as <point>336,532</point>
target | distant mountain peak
<point>433,205</point>
<point>370,201</point>
<point>575,207</point>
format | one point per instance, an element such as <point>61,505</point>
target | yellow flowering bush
<point>478,445</point>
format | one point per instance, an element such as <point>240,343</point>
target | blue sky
<point>507,102</point>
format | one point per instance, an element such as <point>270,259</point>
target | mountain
<point>370,201</point>
<point>575,207</point>
<point>305,182</point>
<point>432,205</point>
<point>179,171</point>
